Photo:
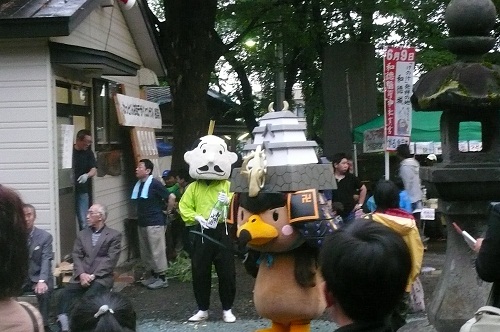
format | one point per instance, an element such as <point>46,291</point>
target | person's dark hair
<point>184,174</point>
<point>386,195</point>
<point>366,267</point>
<point>13,244</point>
<point>399,183</point>
<point>403,150</point>
<point>338,207</point>
<point>82,133</point>
<point>148,164</point>
<point>29,206</point>
<point>122,318</point>
<point>337,158</point>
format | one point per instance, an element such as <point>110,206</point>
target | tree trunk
<point>191,50</point>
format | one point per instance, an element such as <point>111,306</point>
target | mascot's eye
<point>220,152</point>
<point>204,151</point>
<point>275,216</point>
<point>241,215</point>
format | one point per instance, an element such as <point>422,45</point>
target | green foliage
<point>180,268</point>
<point>305,28</point>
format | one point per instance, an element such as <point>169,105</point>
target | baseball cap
<point>432,157</point>
<point>165,173</point>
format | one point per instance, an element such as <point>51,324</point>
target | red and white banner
<point>399,64</point>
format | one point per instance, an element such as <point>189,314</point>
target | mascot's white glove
<point>203,223</point>
<point>83,178</point>
<point>223,198</point>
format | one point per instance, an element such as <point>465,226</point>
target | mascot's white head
<point>210,159</point>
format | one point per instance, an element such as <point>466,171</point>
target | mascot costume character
<point>282,219</point>
<point>204,207</point>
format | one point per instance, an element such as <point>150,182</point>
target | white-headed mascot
<point>204,207</point>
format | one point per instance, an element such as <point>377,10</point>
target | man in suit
<point>95,255</point>
<point>40,279</point>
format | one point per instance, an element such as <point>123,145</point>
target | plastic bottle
<point>218,212</point>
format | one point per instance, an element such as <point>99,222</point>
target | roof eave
<point>145,38</point>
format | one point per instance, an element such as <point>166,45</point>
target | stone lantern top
<point>469,84</point>
<point>470,23</point>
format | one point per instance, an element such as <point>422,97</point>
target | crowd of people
<point>367,292</point>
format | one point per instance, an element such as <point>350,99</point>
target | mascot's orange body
<point>279,297</point>
<point>288,284</point>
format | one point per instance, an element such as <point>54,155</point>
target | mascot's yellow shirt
<point>407,228</point>
<point>200,197</point>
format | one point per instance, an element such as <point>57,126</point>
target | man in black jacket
<point>488,258</point>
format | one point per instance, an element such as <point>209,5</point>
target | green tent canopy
<point>425,128</point>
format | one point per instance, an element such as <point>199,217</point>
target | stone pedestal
<point>459,292</point>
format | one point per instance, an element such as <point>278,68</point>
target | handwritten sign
<point>427,214</point>
<point>144,147</point>
<point>135,112</point>
<point>66,133</point>
<point>373,140</point>
<point>399,64</point>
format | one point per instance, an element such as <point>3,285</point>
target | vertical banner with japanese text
<point>399,64</point>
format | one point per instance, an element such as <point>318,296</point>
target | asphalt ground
<point>169,308</point>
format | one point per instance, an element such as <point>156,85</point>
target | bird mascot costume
<point>282,218</point>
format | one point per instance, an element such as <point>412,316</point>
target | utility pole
<point>280,77</point>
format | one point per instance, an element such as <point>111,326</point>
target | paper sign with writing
<point>399,64</point>
<point>373,140</point>
<point>135,112</point>
<point>427,214</point>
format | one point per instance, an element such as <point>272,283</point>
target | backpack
<point>486,319</point>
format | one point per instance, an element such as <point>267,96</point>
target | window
<point>107,129</point>
<point>467,142</point>
<point>72,100</point>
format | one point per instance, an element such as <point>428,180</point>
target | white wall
<point>105,29</point>
<point>27,127</point>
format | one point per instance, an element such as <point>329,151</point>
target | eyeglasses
<point>93,212</point>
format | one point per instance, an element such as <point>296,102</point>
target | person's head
<point>83,139</point>
<point>210,159</point>
<point>169,177</point>
<point>399,183</point>
<point>340,163</point>
<point>183,178</point>
<point>96,216</point>
<point>337,208</point>
<point>403,151</point>
<point>365,267</point>
<point>386,195</point>
<point>350,162</point>
<point>144,169</point>
<point>431,159</point>
<point>107,312</point>
<point>13,244</point>
<point>29,216</point>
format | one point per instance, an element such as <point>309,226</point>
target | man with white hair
<point>95,255</point>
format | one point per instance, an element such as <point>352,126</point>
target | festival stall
<point>425,135</point>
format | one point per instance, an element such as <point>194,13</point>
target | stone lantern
<point>466,182</point>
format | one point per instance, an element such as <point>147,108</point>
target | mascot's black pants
<point>206,252</point>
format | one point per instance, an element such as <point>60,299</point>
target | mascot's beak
<point>256,231</point>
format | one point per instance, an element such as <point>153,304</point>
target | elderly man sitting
<point>95,255</point>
